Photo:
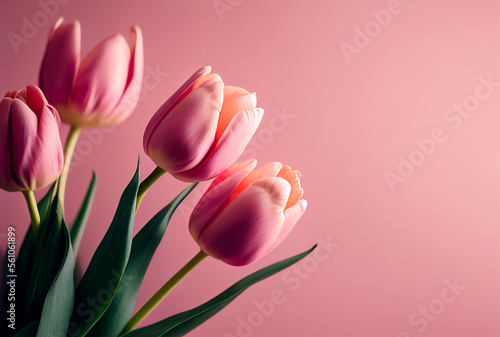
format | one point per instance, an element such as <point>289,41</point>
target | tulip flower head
<point>102,89</point>
<point>245,213</point>
<point>203,128</point>
<point>31,153</point>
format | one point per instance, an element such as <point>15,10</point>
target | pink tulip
<point>245,213</point>
<point>101,90</point>
<point>203,128</point>
<point>31,153</point>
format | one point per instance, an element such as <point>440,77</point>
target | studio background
<point>389,109</point>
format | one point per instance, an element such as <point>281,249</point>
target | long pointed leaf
<point>95,291</point>
<point>48,257</point>
<point>82,216</point>
<point>181,324</point>
<point>58,304</point>
<point>143,247</point>
<point>24,266</point>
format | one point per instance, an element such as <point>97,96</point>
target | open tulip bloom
<point>103,88</point>
<point>245,213</point>
<point>196,135</point>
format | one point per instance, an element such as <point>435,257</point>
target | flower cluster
<point>196,135</point>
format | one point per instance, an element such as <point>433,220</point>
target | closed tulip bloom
<point>203,128</point>
<point>102,89</point>
<point>245,213</point>
<point>31,154</point>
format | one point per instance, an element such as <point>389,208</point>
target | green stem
<point>73,135</point>
<point>160,294</point>
<point>147,183</point>
<point>34,214</point>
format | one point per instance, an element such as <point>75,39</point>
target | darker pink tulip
<point>31,154</point>
<point>203,128</point>
<point>101,90</point>
<point>245,213</point>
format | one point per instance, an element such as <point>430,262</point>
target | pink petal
<point>35,99</point>
<point>293,178</point>
<point>269,170</point>
<point>130,97</point>
<point>47,159</point>
<point>182,92</point>
<point>229,147</point>
<point>235,100</point>
<point>22,95</point>
<point>101,81</point>
<point>60,62</point>
<point>250,225</point>
<point>184,136</point>
<point>216,197</point>
<point>292,215</point>
<point>11,93</point>
<point>23,126</point>
<point>8,179</point>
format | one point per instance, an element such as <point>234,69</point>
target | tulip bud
<point>104,88</point>
<point>245,213</point>
<point>203,128</point>
<point>31,153</point>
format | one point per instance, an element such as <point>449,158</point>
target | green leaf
<point>48,257</point>
<point>28,331</point>
<point>182,323</point>
<point>58,304</point>
<point>24,266</point>
<point>99,283</point>
<point>143,247</point>
<point>80,221</point>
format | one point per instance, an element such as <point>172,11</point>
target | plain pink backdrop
<point>344,122</point>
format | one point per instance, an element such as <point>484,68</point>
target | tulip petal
<point>130,97</point>
<point>293,178</point>
<point>35,100</point>
<point>47,159</point>
<point>11,93</point>
<point>269,170</point>
<point>169,104</point>
<point>184,136</point>
<point>216,197</point>
<point>292,215</point>
<point>250,225</point>
<point>235,100</point>
<point>229,147</point>
<point>100,82</point>
<point>8,179</point>
<point>23,127</point>
<point>60,62</point>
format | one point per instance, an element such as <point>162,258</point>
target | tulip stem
<point>160,294</point>
<point>73,135</point>
<point>147,183</point>
<point>33,208</point>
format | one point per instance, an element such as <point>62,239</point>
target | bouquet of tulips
<point>196,135</point>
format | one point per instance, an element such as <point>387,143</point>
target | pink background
<point>345,123</point>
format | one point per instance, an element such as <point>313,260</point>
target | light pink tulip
<point>104,88</point>
<point>203,128</point>
<point>245,213</point>
<point>31,153</point>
